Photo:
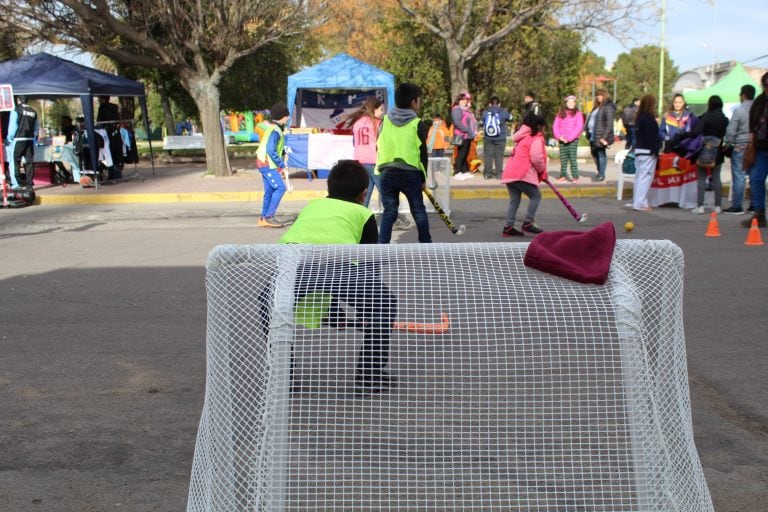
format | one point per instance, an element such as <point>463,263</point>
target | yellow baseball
<point>629,226</point>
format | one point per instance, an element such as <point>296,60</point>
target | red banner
<point>673,171</point>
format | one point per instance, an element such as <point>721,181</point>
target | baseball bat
<point>458,231</point>
<point>580,217</point>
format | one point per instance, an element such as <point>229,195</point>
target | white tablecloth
<point>325,149</point>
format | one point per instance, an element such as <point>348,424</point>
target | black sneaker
<point>532,228</point>
<point>734,211</point>
<point>511,231</point>
<point>598,178</point>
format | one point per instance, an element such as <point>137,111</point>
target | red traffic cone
<point>753,237</point>
<point>713,229</point>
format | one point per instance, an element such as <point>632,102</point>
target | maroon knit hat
<point>584,257</point>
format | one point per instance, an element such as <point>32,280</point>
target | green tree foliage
<point>58,109</point>
<point>10,43</point>
<point>591,64</point>
<point>637,74</point>
<point>419,57</point>
<point>547,63</point>
<point>259,80</point>
<point>469,28</point>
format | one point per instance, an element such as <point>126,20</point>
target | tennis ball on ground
<point>629,226</point>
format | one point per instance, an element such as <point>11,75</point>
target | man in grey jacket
<point>738,136</point>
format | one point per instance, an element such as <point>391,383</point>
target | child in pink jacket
<point>524,170</point>
<point>567,128</point>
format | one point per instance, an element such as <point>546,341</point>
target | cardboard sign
<point>6,97</point>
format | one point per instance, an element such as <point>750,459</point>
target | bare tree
<point>470,27</point>
<point>196,40</point>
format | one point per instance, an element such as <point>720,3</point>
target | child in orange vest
<point>439,137</point>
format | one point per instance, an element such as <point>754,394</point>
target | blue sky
<point>730,30</point>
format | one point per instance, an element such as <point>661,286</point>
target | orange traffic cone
<point>753,237</point>
<point>713,229</point>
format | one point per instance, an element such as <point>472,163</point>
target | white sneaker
<point>469,176</point>
<point>718,210</point>
<point>698,210</point>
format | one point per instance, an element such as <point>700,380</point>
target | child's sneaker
<point>511,231</point>
<point>575,179</point>
<point>562,179</point>
<point>532,228</point>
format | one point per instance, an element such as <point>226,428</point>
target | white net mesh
<point>541,394</point>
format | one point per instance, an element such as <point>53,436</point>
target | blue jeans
<point>393,182</point>
<point>274,188</point>
<point>373,181</point>
<point>737,176</point>
<point>601,160</point>
<point>757,175</point>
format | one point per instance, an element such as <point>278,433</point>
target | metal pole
<point>661,57</point>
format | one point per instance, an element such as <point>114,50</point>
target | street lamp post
<point>661,57</point>
<point>712,63</point>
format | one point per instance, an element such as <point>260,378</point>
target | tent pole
<point>87,103</point>
<point>143,104</point>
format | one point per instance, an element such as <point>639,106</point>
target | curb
<point>296,195</point>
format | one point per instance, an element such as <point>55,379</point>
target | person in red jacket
<point>525,169</point>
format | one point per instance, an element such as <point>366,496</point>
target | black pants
<point>359,286</point>
<point>461,164</point>
<point>26,149</point>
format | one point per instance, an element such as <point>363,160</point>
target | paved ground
<point>103,357</point>
<point>188,183</point>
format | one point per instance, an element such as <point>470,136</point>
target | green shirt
<point>262,153</point>
<point>401,145</point>
<point>328,221</point>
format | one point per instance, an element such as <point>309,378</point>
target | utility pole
<point>661,57</point>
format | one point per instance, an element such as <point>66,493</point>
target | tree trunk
<point>205,93</point>
<point>459,71</point>
<point>127,107</point>
<point>165,103</point>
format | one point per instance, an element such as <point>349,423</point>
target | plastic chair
<point>624,170</point>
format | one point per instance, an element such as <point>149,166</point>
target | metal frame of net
<point>444,377</point>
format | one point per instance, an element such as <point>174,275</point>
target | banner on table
<point>325,118</point>
<point>316,99</point>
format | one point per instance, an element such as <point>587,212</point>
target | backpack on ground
<point>491,124</point>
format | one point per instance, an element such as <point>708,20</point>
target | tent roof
<point>341,72</point>
<point>44,75</point>
<point>727,87</point>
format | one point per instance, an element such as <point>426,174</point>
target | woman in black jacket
<point>600,130</point>
<point>713,124</point>
<point>647,146</point>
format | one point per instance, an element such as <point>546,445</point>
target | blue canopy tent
<point>341,73</point>
<point>47,76</point>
